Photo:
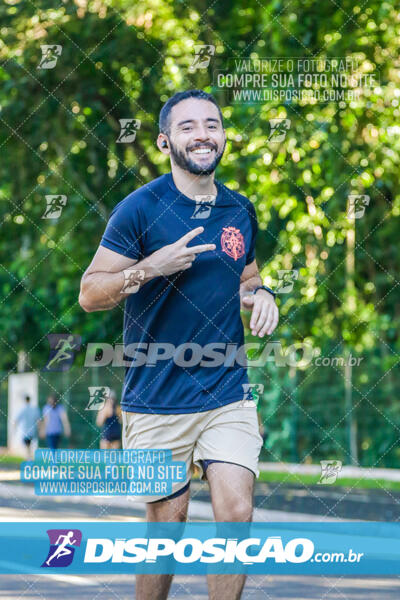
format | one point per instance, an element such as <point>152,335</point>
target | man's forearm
<point>103,290</point>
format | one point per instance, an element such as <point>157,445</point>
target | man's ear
<point>162,143</point>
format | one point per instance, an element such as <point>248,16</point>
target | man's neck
<point>193,185</point>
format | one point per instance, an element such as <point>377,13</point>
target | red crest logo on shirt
<point>232,242</point>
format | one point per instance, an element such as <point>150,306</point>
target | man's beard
<point>181,160</point>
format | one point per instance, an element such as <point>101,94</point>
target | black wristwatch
<point>264,287</point>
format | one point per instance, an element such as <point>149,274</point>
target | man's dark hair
<point>164,119</point>
<point>27,398</point>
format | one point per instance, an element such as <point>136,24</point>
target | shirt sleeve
<point>123,233</point>
<point>254,228</point>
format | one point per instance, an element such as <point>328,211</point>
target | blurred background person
<point>56,422</point>
<point>109,419</point>
<point>27,420</point>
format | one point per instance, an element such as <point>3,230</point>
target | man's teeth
<point>202,151</point>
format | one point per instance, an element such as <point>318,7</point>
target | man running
<point>193,282</point>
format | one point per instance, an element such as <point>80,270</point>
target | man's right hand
<point>177,256</point>
<point>103,282</point>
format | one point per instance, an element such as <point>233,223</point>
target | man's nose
<point>202,133</point>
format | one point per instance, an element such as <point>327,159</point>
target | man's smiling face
<point>196,136</point>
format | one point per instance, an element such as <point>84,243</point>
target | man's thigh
<point>169,510</point>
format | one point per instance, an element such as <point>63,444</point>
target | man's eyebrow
<point>192,120</point>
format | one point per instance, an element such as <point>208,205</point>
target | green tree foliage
<point>120,59</point>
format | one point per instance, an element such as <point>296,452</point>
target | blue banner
<point>365,548</point>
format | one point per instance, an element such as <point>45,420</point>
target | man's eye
<point>212,127</point>
<point>186,129</point>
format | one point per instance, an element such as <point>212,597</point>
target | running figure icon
<point>62,549</point>
<point>63,543</point>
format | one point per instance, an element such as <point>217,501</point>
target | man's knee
<point>238,510</point>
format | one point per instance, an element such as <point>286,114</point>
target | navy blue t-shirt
<point>198,307</point>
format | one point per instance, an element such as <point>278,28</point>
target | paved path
<point>19,502</point>
<point>121,587</point>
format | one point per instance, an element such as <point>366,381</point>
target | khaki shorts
<point>229,433</point>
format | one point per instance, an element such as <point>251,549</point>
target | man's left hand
<point>265,314</point>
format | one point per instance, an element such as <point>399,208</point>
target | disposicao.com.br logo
<point>213,550</point>
<point>191,550</point>
<point>237,551</point>
<point>62,547</point>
